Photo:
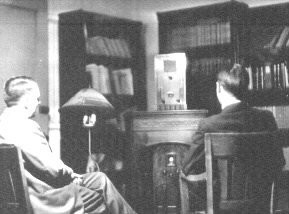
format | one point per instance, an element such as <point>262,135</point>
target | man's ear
<point>24,101</point>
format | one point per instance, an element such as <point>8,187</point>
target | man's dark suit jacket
<point>234,118</point>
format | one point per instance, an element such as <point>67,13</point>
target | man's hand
<point>67,171</point>
<point>65,175</point>
<point>77,179</point>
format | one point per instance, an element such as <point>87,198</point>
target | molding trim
<point>53,85</point>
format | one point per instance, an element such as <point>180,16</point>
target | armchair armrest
<point>184,181</point>
<point>194,178</point>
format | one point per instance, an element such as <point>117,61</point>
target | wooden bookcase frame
<point>79,35</point>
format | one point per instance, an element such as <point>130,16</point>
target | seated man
<point>53,186</point>
<point>236,116</point>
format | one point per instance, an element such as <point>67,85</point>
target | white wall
<point>24,45</point>
<point>119,8</point>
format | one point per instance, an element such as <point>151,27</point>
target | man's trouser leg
<point>100,183</point>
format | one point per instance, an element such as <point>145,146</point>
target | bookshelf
<point>213,37</point>
<point>267,60</point>
<point>92,47</point>
<point>105,53</point>
<point>268,55</point>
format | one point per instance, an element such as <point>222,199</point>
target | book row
<point>103,46</point>
<point>208,33</point>
<point>102,77</point>
<point>209,66</point>
<point>268,76</point>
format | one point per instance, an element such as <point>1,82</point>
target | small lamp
<point>91,104</point>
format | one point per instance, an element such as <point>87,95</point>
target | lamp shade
<point>89,100</point>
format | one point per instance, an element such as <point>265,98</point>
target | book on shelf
<point>120,49</point>
<point>123,81</point>
<point>287,43</point>
<point>206,32</point>
<point>91,47</point>
<point>100,80</point>
<point>285,75</point>
<point>225,33</point>
<point>213,32</point>
<point>125,48</point>
<point>267,77</point>
<point>184,37</point>
<point>199,35</point>
<point>283,38</point>
<point>274,78</point>
<point>250,75</point>
<point>100,43</point>
<point>105,86</point>
<point>192,40</point>
<point>204,35</point>
<point>218,33</point>
<point>210,66</point>
<point>261,71</point>
<point>110,48</point>
<point>261,78</point>
<point>273,36</point>
<point>257,79</point>
<point>186,40</point>
<point>279,77</point>
<point>104,46</point>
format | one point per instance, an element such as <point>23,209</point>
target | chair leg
<point>184,197</point>
<point>287,189</point>
<point>285,184</point>
<point>280,194</point>
<point>273,201</point>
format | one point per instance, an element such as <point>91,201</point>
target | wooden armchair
<point>14,198</point>
<point>243,182</point>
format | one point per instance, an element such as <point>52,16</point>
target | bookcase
<point>102,52</point>
<point>213,37</point>
<point>267,60</point>
<point>105,53</point>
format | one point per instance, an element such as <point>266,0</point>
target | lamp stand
<point>89,122</point>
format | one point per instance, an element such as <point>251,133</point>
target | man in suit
<point>53,186</point>
<point>236,116</point>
